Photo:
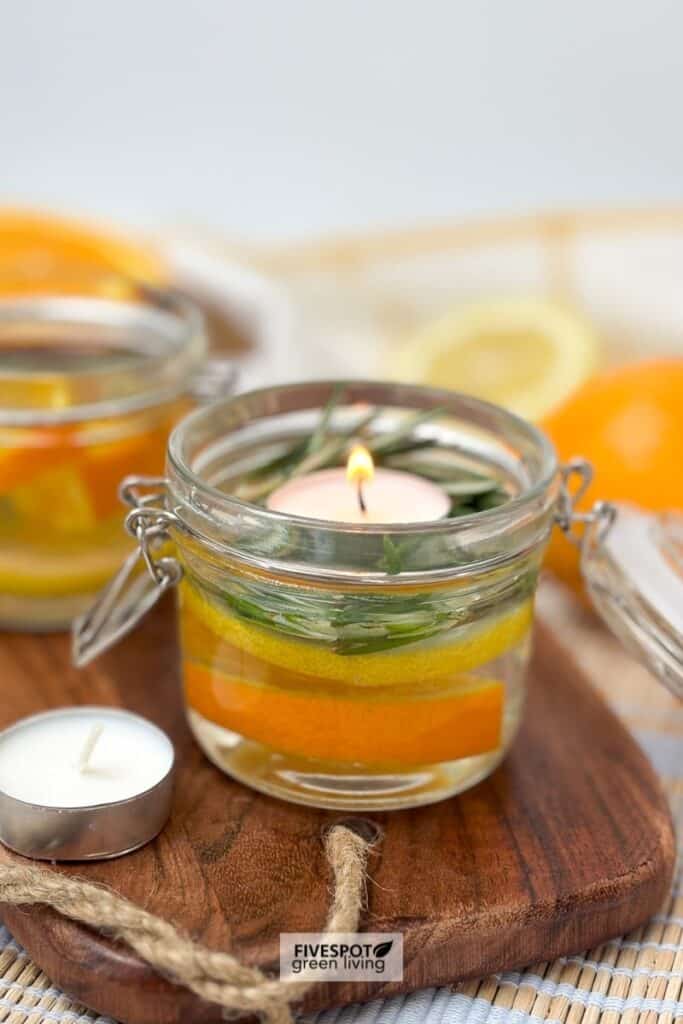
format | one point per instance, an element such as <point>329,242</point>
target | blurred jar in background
<point>43,253</point>
<point>89,389</point>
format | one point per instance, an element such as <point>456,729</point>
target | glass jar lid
<point>632,562</point>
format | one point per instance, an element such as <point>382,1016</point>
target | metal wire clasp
<point>145,575</point>
<point>576,477</point>
<point>148,524</point>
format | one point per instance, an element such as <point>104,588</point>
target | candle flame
<point>359,466</point>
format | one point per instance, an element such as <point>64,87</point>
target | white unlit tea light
<point>89,746</point>
<point>81,757</point>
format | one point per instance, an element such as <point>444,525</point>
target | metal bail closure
<point>633,567</point>
<point>141,580</point>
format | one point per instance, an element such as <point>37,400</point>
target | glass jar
<point>358,666</point>
<point>88,388</point>
<point>347,665</point>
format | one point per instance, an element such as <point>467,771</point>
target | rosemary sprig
<point>399,448</point>
<point>469,487</point>
<point>318,436</point>
<point>322,450</point>
<point>362,624</point>
<point>439,471</point>
<point>330,451</point>
<point>384,444</point>
<point>406,447</point>
<point>395,555</point>
<point>351,624</point>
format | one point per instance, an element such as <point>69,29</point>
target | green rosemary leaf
<point>392,562</point>
<point>373,645</point>
<point>261,481</point>
<point>469,487</point>
<point>492,499</point>
<point>258,489</point>
<point>382,444</point>
<point>283,461</point>
<point>318,437</point>
<point>366,608</point>
<point>333,449</point>
<point>459,508</point>
<point>395,556</point>
<point>406,447</point>
<point>443,471</point>
<point>247,609</point>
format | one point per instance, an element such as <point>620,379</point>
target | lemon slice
<point>45,573</point>
<point>524,354</point>
<point>467,648</point>
<point>58,495</point>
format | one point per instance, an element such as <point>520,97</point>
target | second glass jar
<point>89,388</point>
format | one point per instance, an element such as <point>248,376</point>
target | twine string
<point>216,977</point>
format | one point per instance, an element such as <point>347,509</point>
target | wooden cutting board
<point>568,844</point>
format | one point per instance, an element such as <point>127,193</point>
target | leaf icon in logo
<point>382,948</point>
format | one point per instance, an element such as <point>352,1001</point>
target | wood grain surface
<point>566,845</point>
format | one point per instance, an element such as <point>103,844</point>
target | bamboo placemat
<point>636,978</point>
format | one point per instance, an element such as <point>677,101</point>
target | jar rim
<point>178,462</point>
<point>162,331</point>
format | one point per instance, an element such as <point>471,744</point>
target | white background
<point>276,118</point>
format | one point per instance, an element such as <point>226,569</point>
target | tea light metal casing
<point>95,831</point>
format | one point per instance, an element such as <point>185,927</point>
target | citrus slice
<point>42,253</point>
<point>381,730</point>
<point>55,501</point>
<point>466,648</point>
<point>103,466</point>
<point>525,354</point>
<point>53,573</point>
<point>32,451</point>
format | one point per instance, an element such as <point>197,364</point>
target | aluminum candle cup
<point>83,783</point>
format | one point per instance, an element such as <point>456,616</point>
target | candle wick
<point>89,745</point>
<point>361,499</point>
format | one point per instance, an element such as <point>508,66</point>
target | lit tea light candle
<point>361,493</point>
<point>81,783</point>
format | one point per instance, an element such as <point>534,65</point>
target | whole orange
<point>628,422</point>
